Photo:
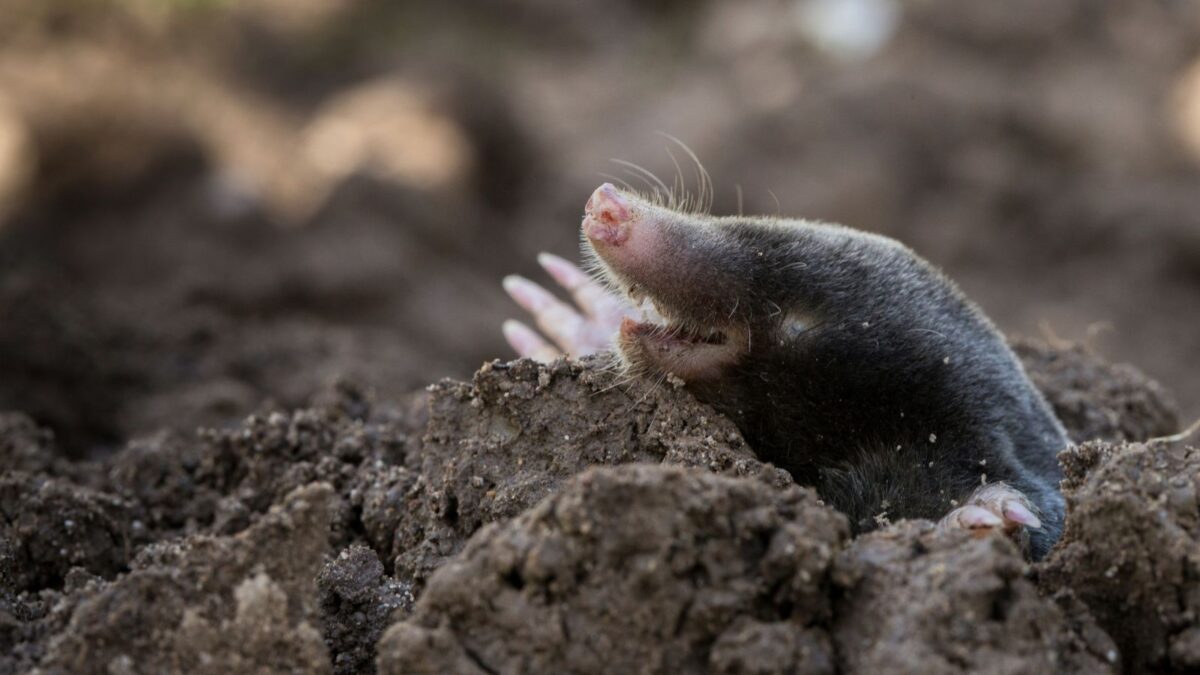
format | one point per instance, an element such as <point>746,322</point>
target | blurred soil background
<point>213,207</point>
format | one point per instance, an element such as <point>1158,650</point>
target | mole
<point>841,355</point>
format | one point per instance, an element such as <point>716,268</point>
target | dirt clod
<point>23,445</point>
<point>49,526</point>
<point>358,602</point>
<point>1131,548</point>
<point>633,569</point>
<point>211,604</point>
<point>919,600</point>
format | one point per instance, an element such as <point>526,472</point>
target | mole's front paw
<point>587,328</point>
<point>995,507</point>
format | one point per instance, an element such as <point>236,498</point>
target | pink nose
<point>607,205</point>
<point>607,216</point>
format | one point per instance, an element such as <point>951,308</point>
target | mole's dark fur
<point>867,374</point>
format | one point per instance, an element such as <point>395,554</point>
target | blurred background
<point>208,206</point>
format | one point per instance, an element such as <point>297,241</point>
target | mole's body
<point>842,356</point>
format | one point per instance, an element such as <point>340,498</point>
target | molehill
<point>552,519</point>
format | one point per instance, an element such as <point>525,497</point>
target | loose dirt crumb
<point>357,604</point>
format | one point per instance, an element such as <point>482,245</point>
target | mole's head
<point>724,292</point>
<point>662,259</point>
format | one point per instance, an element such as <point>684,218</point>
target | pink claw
<point>996,506</point>
<point>1018,513</point>
<point>566,274</point>
<point>974,517</point>
<point>526,342</point>
<point>529,295</point>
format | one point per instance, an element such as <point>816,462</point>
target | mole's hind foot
<point>995,507</point>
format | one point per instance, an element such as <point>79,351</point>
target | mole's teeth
<point>650,311</point>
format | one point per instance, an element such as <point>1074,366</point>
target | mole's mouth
<point>666,342</point>
<point>665,325</point>
<point>672,333</point>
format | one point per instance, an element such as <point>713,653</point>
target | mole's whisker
<point>679,179</point>
<point>703,180</point>
<point>778,208</point>
<point>651,179</point>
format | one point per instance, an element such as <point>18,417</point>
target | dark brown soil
<point>209,604</point>
<point>60,526</point>
<point>358,602</point>
<point>634,569</point>
<point>1096,400</point>
<point>695,556</point>
<point>917,600</point>
<point>500,445</point>
<point>1131,548</point>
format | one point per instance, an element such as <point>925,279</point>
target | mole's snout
<point>608,216</point>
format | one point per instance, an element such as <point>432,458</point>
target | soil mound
<point>209,604</point>
<point>497,446</point>
<point>552,517</point>
<point>635,569</point>
<point>1131,548</point>
<point>919,600</point>
<point>1095,399</point>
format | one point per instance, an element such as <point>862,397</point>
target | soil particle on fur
<point>499,445</point>
<point>919,600</point>
<point>640,568</point>
<point>1131,549</point>
<point>210,604</point>
<point>1095,399</point>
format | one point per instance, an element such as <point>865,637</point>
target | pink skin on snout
<point>618,234</point>
<point>621,231</point>
<point>607,216</point>
<point>639,243</point>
